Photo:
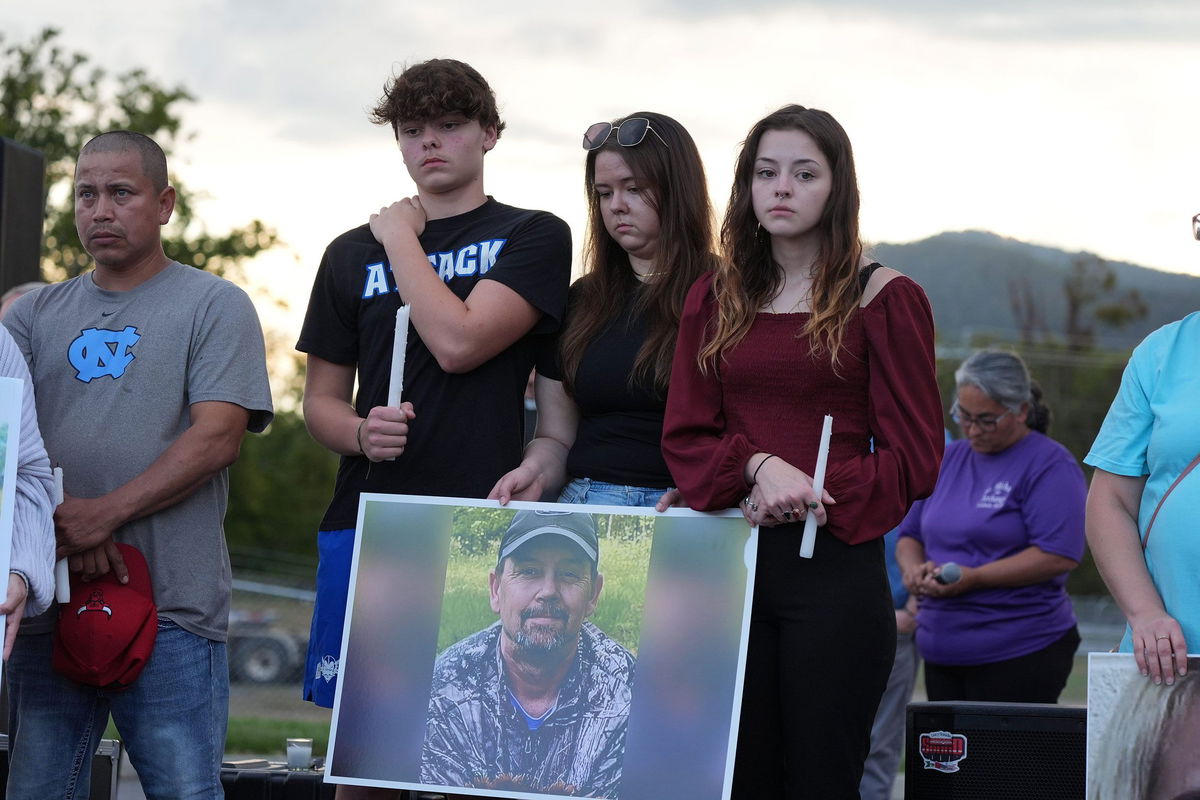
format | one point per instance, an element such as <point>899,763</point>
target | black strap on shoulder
<point>864,274</point>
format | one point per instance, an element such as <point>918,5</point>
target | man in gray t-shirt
<point>147,375</point>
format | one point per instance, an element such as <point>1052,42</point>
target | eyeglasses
<point>985,423</point>
<point>630,133</point>
<point>1196,226</point>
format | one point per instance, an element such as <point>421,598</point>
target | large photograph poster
<point>542,650</point>
<point>1143,739</point>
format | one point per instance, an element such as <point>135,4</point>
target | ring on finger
<point>813,505</point>
<point>787,516</point>
<point>753,505</point>
<point>1156,638</point>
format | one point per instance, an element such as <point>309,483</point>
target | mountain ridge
<point>967,276</point>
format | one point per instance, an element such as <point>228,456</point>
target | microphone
<point>949,573</point>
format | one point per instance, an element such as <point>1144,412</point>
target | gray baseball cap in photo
<point>529,524</point>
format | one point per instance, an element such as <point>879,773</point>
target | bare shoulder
<point>879,279</point>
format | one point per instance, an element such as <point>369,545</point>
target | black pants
<point>1038,677</point>
<point>822,640</point>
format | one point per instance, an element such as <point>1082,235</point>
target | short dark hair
<point>434,88</point>
<point>154,160</point>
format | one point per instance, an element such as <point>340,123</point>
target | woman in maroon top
<point>797,325</point>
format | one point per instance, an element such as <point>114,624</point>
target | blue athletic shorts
<point>336,551</point>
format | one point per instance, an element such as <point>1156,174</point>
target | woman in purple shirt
<point>988,553</point>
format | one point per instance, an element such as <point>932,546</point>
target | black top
<point>620,423</point>
<point>468,429</point>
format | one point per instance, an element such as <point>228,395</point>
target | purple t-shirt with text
<point>987,507</point>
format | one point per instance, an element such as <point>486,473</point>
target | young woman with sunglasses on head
<point>797,325</point>
<point>601,397</point>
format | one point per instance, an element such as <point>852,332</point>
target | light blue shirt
<point>1153,429</point>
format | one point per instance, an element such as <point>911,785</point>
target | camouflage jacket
<point>475,738</point>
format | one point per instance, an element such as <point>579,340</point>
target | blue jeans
<point>599,493</point>
<point>172,720</point>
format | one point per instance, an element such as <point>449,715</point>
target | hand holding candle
<point>810,520</point>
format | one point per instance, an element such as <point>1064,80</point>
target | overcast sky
<point>1068,123</point>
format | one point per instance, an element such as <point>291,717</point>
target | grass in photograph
<point>624,560</point>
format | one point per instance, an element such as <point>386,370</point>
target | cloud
<point>1029,20</point>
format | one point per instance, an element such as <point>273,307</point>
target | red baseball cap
<point>106,632</point>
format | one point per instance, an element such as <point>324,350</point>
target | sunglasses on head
<point>630,133</point>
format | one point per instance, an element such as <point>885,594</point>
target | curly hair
<point>434,88</point>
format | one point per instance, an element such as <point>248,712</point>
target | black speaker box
<point>274,783</point>
<point>986,751</point>
<point>106,768</point>
<point>22,176</point>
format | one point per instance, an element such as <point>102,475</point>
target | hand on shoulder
<point>406,214</point>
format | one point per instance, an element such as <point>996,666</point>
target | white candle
<point>810,519</point>
<point>396,385</point>
<point>62,577</point>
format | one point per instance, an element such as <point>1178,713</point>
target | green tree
<point>1090,281</point>
<point>54,101</point>
<point>278,490</point>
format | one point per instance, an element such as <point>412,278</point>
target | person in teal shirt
<point>1145,498</point>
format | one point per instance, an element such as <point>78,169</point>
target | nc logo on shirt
<point>995,495</point>
<point>97,352</point>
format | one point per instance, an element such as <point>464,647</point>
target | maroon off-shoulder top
<point>770,394</point>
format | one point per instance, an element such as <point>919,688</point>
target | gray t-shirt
<point>115,374</point>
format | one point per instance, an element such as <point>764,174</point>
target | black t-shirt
<point>468,429</point>
<point>620,424</point>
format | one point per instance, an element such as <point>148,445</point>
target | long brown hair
<point>748,277</point>
<point>669,170</point>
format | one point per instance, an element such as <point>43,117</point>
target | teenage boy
<point>486,283</point>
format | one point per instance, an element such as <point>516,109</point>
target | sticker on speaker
<point>942,750</point>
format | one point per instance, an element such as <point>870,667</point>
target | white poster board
<point>675,599</point>
<point>11,394</point>
<point>1143,739</point>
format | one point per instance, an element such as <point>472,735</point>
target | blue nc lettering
<point>97,352</point>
